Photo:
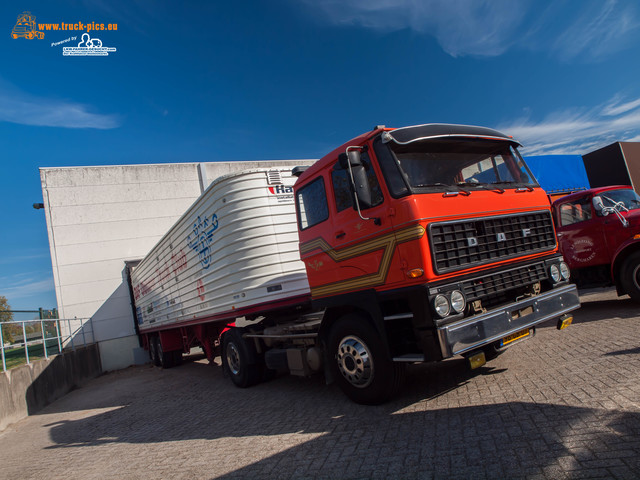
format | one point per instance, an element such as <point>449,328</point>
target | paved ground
<point>565,404</point>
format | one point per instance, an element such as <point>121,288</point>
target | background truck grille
<point>461,244</point>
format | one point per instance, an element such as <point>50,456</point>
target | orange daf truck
<point>422,243</point>
<point>405,245</point>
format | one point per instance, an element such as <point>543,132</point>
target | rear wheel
<point>165,359</point>
<point>359,362</point>
<point>240,359</point>
<point>153,351</point>
<point>630,276</point>
<point>177,357</point>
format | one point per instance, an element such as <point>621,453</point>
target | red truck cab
<point>599,236</point>
<point>425,242</point>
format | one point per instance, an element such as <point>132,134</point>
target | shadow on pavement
<point>341,439</point>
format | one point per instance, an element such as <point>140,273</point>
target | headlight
<point>564,271</point>
<point>441,305</point>
<point>554,271</point>
<point>457,301</point>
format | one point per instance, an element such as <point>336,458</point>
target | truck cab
<point>599,236</point>
<point>425,242</point>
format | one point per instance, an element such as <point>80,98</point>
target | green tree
<point>6,315</point>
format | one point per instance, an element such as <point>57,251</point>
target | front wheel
<point>630,276</point>
<point>240,360</point>
<point>359,362</point>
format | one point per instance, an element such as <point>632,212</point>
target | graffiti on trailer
<point>201,237</point>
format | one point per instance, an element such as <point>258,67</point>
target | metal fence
<point>24,341</point>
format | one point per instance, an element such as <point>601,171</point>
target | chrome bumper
<point>479,330</point>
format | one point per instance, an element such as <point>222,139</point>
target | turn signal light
<point>415,273</point>
<point>564,322</point>
<point>477,360</point>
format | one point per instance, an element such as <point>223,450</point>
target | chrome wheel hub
<point>233,358</point>
<point>355,362</point>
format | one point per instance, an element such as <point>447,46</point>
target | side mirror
<point>601,210</point>
<point>351,158</point>
<point>361,187</point>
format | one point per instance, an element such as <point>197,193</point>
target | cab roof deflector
<point>434,131</point>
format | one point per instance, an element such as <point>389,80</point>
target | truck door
<point>581,235</point>
<point>364,247</point>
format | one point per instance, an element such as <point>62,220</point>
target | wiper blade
<point>449,188</point>
<point>482,185</point>
<point>518,185</point>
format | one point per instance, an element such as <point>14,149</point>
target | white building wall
<point>100,217</point>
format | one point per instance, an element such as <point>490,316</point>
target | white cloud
<point>19,107</point>
<point>615,107</point>
<point>461,27</point>
<point>21,258</point>
<point>578,131</point>
<point>491,27</point>
<point>27,287</point>
<point>600,29</point>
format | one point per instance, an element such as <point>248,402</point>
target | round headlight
<point>457,301</point>
<point>564,271</point>
<point>441,305</point>
<point>554,271</point>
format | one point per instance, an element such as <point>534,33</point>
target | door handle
<point>340,234</point>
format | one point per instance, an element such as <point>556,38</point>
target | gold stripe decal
<point>386,242</point>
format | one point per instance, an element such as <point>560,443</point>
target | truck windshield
<point>626,198</point>
<point>461,165</point>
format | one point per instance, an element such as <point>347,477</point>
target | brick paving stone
<point>561,405</point>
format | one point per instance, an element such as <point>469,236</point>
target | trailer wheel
<point>153,351</point>
<point>630,276</point>
<point>239,359</point>
<point>177,357</point>
<point>359,362</point>
<point>165,359</point>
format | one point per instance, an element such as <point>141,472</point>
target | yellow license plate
<point>514,336</point>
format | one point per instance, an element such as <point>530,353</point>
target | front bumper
<point>473,332</point>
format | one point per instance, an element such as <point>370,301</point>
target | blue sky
<point>286,79</point>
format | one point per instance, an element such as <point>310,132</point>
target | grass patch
<point>14,357</point>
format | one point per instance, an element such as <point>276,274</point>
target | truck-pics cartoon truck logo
<point>26,27</point>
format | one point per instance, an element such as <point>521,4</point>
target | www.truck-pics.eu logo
<point>26,27</point>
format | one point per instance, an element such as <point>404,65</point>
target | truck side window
<point>312,204</point>
<point>342,193</point>
<point>575,212</point>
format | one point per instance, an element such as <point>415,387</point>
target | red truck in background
<point>599,235</point>
<point>405,245</point>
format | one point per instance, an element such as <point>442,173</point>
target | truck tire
<point>630,276</point>
<point>240,360</point>
<point>165,359</point>
<point>153,351</point>
<point>359,362</point>
<point>177,358</point>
